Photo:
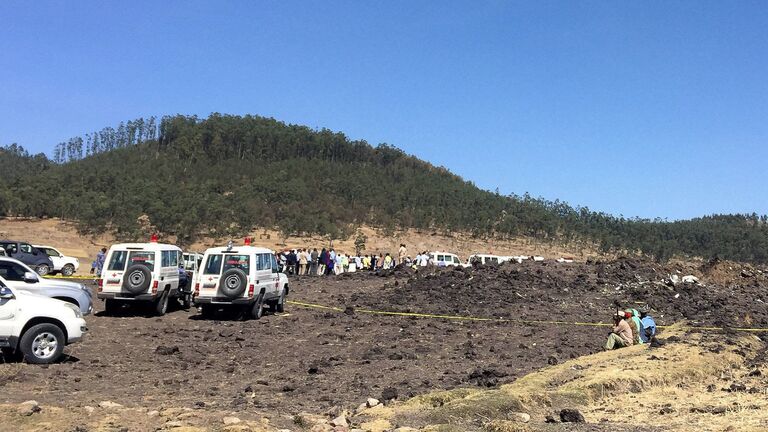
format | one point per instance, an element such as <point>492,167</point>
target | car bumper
<point>224,300</point>
<point>127,297</point>
<point>76,331</point>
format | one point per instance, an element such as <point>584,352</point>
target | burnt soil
<point>310,360</point>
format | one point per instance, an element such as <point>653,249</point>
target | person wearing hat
<point>637,326</point>
<point>649,325</point>
<point>621,336</point>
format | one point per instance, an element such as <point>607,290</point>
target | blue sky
<point>642,109</point>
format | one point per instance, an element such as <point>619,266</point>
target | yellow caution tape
<point>506,320</point>
<point>70,277</point>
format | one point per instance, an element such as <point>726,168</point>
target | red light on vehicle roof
<point>247,241</point>
<point>153,238</point>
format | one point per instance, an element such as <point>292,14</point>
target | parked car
<point>27,254</point>
<point>191,260</point>
<point>66,265</point>
<point>18,275</point>
<point>244,278</point>
<point>444,259</point>
<point>485,259</point>
<point>38,327</point>
<point>140,272</point>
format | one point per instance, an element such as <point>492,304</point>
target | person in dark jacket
<point>313,261</point>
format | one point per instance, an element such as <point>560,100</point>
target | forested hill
<point>227,175</point>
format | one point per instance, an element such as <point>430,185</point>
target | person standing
<point>302,262</point>
<point>101,256</point>
<point>401,254</point>
<point>313,261</point>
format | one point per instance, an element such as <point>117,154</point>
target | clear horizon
<point>652,110</point>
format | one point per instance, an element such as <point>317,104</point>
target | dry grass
<point>630,386</point>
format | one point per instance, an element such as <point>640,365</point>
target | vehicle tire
<point>207,311</point>
<point>68,270</point>
<point>232,283</point>
<point>111,306</point>
<point>43,269</point>
<point>279,305</point>
<point>137,279</point>
<point>161,304</point>
<point>42,343</point>
<point>257,310</point>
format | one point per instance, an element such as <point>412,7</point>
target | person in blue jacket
<point>649,325</point>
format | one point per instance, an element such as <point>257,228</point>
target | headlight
<point>75,309</point>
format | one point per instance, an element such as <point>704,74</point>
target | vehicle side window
<point>26,248</point>
<point>262,262</point>
<point>274,263</point>
<point>12,271</point>
<point>10,248</point>
<point>456,260</point>
<point>165,258</point>
<point>213,265</point>
<point>117,261</point>
<point>441,258</point>
<point>51,252</point>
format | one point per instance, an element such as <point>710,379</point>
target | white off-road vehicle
<point>145,272</point>
<point>444,259</point>
<point>36,326</point>
<point>241,277</point>
<point>66,265</point>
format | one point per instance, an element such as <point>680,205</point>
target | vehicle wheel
<point>207,311</point>
<point>257,310</point>
<point>279,306</point>
<point>68,270</point>
<point>233,282</point>
<point>42,344</point>
<point>111,306</point>
<point>43,269</point>
<point>161,304</point>
<point>137,279</point>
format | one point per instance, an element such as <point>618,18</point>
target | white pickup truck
<point>36,326</point>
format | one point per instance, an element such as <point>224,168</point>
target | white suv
<point>147,272</point>
<point>245,277</point>
<point>38,327</point>
<point>66,265</point>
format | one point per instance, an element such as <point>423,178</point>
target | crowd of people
<point>631,327</point>
<point>316,262</point>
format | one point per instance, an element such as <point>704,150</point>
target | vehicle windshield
<point>142,257</point>
<point>121,259</point>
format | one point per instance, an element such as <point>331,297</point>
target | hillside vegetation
<point>228,175</point>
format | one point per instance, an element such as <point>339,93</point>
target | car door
<point>56,258</point>
<point>13,275</point>
<point>264,278</point>
<point>8,309</point>
<point>27,253</point>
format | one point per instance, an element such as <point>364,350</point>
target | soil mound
<point>580,291</point>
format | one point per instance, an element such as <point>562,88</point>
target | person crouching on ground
<point>621,336</point>
<point>649,325</point>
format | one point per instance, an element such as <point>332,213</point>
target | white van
<point>486,259</point>
<point>243,277</point>
<point>146,272</point>
<point>444,259</point>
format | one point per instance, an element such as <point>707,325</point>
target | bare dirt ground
<point>195,372</point>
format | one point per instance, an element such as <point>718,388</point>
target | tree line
<point>227,175</point>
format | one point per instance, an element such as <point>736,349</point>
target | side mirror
<point>6,294</point>
<point>30,277</point>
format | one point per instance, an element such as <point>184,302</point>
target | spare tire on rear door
<point>232,283</point>
<point>137,279</point>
